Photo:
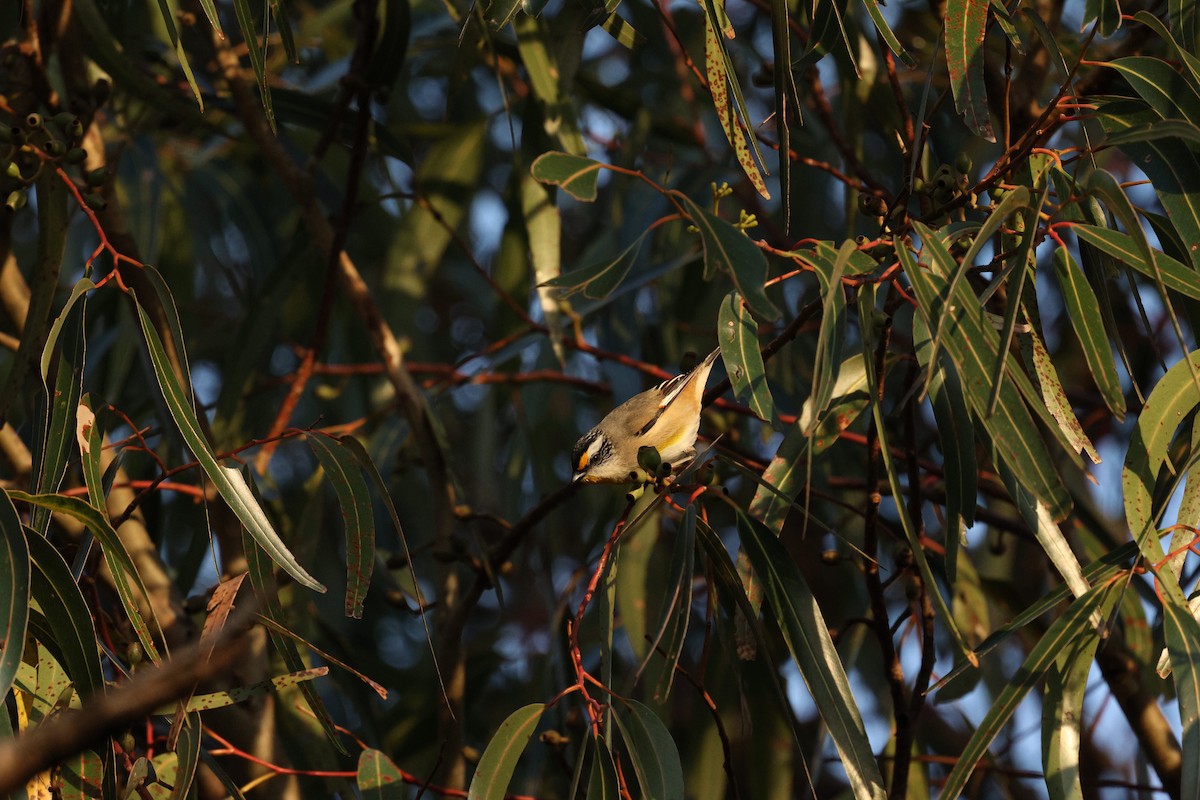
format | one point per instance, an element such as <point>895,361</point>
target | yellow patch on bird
<point>583,462</point>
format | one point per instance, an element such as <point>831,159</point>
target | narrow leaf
<point>228,480</point>
<point>804,630</point>
<point>14,593</point>
<point>341,469</point>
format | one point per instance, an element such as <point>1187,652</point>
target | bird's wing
<point>672,388</point>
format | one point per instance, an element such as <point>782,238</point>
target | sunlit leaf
<point>378,777</point>
<point>1083,309</point>
<point>228,480</point>
<point>966,24</point>
<point>14,593</point>
<point>738,335</point>
<point>1072,627</point>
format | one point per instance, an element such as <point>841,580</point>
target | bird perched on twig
<point>666,417</point>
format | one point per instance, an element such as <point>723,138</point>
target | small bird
<point>666,417</point>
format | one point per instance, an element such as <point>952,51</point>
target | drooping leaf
<point>1175,275</point>
<point>259,568</point>
<point>738,336</point>
<point>726,95</point>
<point>803,627</point>
<point>597,281</point>
<point>972,345</point>
<point>1072,627</point>
<point>966,24</point>
<point>651,749</point>
<point>126,579</point>
<point>1083,309</point>
<point>228,480</point>
<point>65,620</point>
<point>729,250</point>
<point>956,436</point>
<point>832,336</point>
<point>676,610</point>
<point>499,759</point>
<point>341,469</point>
<point>785,473</point>
<point>14,593</point>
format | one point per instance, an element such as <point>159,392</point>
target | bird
<point>666,417</point>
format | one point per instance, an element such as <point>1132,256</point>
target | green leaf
<point>602,785</point>
<point>634,561</point>
<point>228,480</point>
<point>1163,88</point>
<point>249,29</point>
<point>787,103</point>
<point>14,593</point>
<point>259,568</point>
<point>378,777</point>
<point>1174,398</point>
<point>82,776</point>
<point>1170,163</point>
<point>889,37</point>
<point>499,759</point>
<point>575,174</point>
<point>1106,12</point>
<point>812,649</point>
<point>1072,627</point>
<point>738,336</point>
<point>65,618</point>
<point>1083,309</point>
<point>1153,131</point>
<point>170,11</point>
<point>597,281</point>
<point>126,579</point>
<point>1183,54</point>
<point>1175,275</point>
<point>62,396</point>
<point>966,24</point>
<point>956,437</point>
<point>622,30</point>
<point>187,748</point>
<point>357,516</point>
<point>727,248</point>
<point>972,345</point>
<point>1182,633</point>
<point>676,609</point>
<point>1024,262</point>
<point>547,72</point>
<point>1062,718</point>
<point>784,476</point>
<point>651,749</point>
<point>832,335</point>
<point>1013,201</point>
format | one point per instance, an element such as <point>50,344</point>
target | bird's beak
<point>578,476</point>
